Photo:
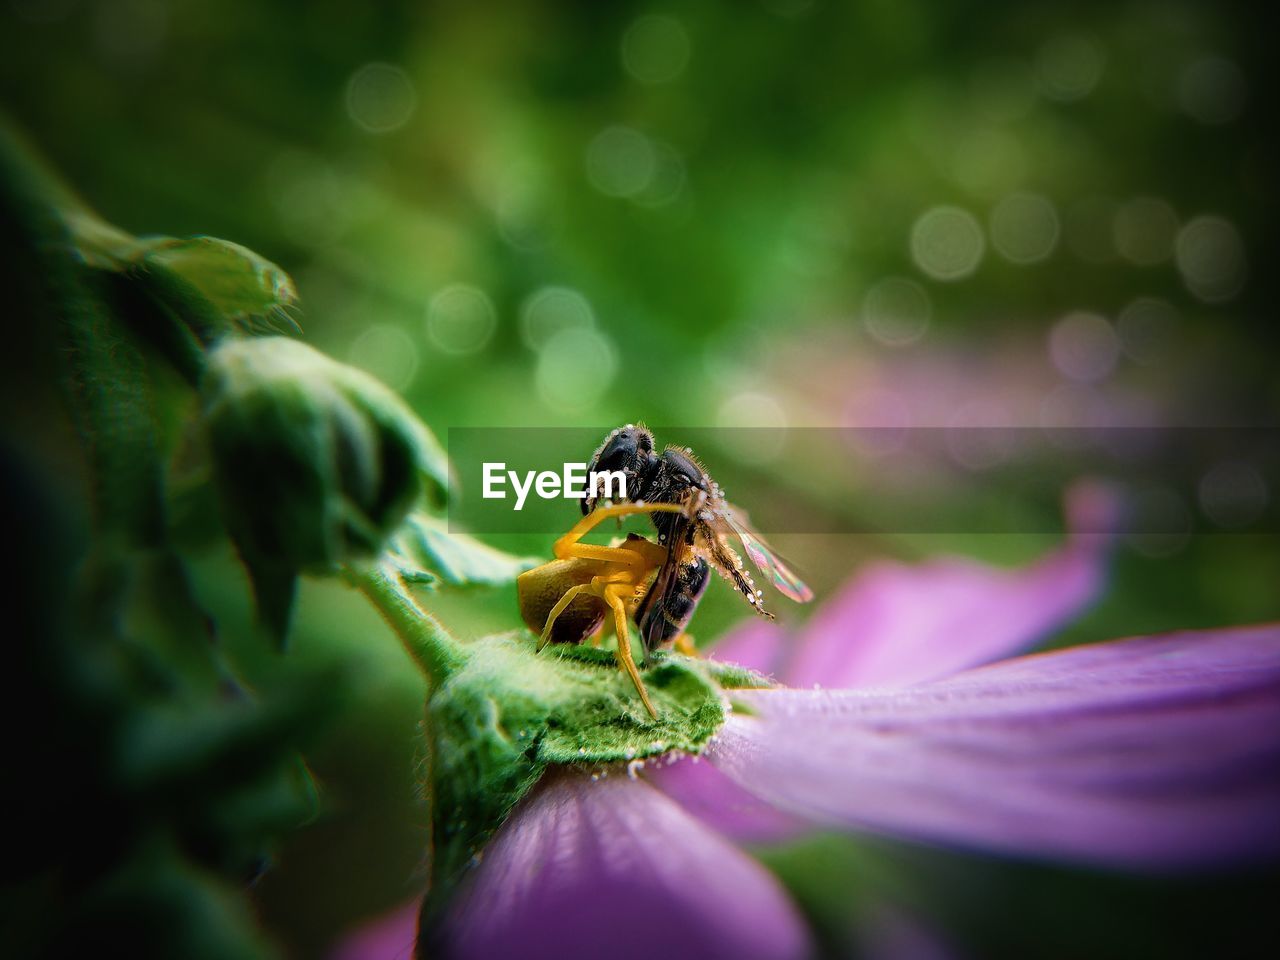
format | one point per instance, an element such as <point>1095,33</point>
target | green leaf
<point>424,551</point>
<point>158,906</point>
<point>176,749</point>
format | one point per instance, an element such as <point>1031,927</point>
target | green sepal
<point>217,287</point>
<point>498,722</point>
<point>316,463</point>
<point>732,676</point>
<point>424,551</point>
<point>275,591</point>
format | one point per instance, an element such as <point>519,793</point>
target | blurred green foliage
<point>585,214</point>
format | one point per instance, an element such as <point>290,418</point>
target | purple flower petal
<point>703,790</point>
<point>707,793</point>
<point>895,624</point>
<point>1156,752</point>
<point>389,937</point>
<point>886,932</point>
<point>612,868</point>
<point>757,645</point>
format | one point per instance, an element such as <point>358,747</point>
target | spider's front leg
<point>571,546</point>
<point>615,595</point>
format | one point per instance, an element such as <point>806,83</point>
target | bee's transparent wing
<point>763,556</point>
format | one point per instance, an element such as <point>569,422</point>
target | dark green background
<point>795,149</point>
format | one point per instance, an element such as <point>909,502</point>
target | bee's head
<point>628,449</point>
<point>684,477</point>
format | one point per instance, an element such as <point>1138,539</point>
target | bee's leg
<point>569,546</point>
<point>558,609</point>
<point>730,564</point>
<point>613,597</point>
<point>684,643</point>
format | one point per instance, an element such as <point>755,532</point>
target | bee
<point>658,585</point>
<point>701,533</point>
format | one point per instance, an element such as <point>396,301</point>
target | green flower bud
<point>316,463</point>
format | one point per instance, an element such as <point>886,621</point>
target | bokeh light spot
<point>947,243</point>
<point>460,319</point>
<point>1070,412</point>
<point>666,183</point>
<point>1210,256</point>
<point>879,420</point>
<point>42,11</point>
<point>978,435</point>
<point>985,160</point>
<point>765,420</point>
<point>655,49</point>
<point>1069,66</point>
<point>1090,229</point>
<point>575,368</point>
<point>548,310</point>
<point>620,162</point>
<point>1084,347</point>
<point>312,204</point>
<point>1212,90</point>
<point>1160,522</point>
<point>130,31</point>
<point>789,9</point>
<point>1024,228</point>
<point>1003,89</point>
<point>388,353</point>
<point>380,98</point>
<point>1233,494</point>
<point>1147,327</point>
<point>1144,229</point>
<point>896,311</point>
<point>518,206</point>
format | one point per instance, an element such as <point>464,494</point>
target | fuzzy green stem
<point>433,648</point>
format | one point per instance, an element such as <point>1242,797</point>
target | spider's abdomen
<point>541,588</point>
